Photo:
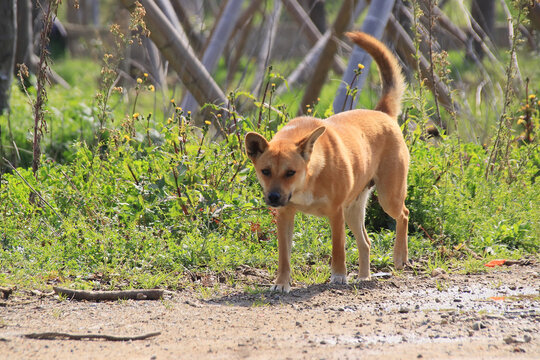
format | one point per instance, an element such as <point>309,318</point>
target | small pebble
<point>478,326</point>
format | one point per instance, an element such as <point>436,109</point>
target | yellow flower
<point>139,81</point>
<point>136,116</point>
<point>189,112</point>
<point>360,66</point>
<point>172,101</point>
<point>218,115</point>
<point>126,137</point>
<point>308,106</point>
<point>145,75</point>
<point>207,122</point>
<point>178,108</point>
<point>151,88</point>
<point>309,111</point>
<point>532,96</point>
<point>169,120</point>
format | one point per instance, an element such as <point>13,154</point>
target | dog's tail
<point>393,83</point>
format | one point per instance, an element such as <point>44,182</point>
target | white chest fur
<point>306,199</point>
<point>302,198</point>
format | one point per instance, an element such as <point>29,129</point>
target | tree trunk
<point>179,54</point>
<point>8,35</point>
<point>483,12</point>
<point>307,66</point>
<point>406,50</point>
<point>240,37</point>
<point>317,14</point>
<point>24,47</point>
<point>195,38</point>
<point>310,30</point>
<point>374,24</point>
<point>212,54</point>
<point>266,49</point>
<point>325,60</point>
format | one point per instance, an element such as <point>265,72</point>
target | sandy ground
<point>489,316</point>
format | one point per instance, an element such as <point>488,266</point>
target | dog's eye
<point>290,173</point>
<point>266,172</point>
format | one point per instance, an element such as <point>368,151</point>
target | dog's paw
<point>284,288</point>
<point>364,278</point>
<point>400,263</point>
<point>338,279</point>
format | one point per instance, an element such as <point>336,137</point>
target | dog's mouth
<point>276,199</point>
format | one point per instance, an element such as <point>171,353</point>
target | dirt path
<point>489,316</point>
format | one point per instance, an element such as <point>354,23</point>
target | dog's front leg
<point>285,227</point>
<point>339,266</point>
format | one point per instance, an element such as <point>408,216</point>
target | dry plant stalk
<point>40,125</point>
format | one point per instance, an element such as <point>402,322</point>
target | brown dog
<point>328,168</point>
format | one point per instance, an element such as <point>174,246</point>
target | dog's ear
<point>256,144</point>
<point>305,146</point>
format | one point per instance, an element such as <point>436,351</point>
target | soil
<point>495,315</point>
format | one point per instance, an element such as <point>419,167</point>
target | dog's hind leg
<point>339,266</point>
<point>355,215</point>
<point>391,193</point>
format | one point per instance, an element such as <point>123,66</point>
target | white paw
<point>284,288</point>
<point>338,279</point>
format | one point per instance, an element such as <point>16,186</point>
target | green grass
<point>137,212</point>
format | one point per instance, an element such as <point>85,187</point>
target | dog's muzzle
<point>276,199</point>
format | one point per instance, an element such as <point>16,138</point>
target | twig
<point>133,175</point>
<point>32,188</point>
<point>425,232</point>
<point>66,336</point>
<point>141,294</point>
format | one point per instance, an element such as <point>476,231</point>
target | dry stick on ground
<point>66,336</point>
<point>142,294</point>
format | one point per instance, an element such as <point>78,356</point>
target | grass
<point>157,211</point>
<point>122,216</point>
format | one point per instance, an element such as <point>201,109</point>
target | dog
<point>330,167</point>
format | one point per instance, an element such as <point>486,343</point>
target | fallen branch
<point>141,294</point>
<point>66,336</point>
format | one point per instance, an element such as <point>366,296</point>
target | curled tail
<point>393,83</point>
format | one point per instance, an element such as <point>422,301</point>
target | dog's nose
<point>273,198</point>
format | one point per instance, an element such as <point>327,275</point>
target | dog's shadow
<point>266,297</point>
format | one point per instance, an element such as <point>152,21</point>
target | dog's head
<point>281,164</point>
